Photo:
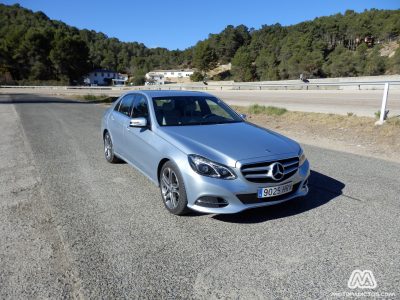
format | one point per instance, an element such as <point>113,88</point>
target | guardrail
<point>232,86</point>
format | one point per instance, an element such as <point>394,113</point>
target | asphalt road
<point>73,225</point>
<point>361,103</point>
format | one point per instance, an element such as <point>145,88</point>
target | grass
<point>267,110</point>
<point>394,121</point>
<point>98,98</point>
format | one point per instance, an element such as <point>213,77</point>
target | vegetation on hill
<point>35,49</point>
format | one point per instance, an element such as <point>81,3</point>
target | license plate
<point>275,190</point>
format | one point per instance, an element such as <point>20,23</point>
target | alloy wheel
<point>107,146</point>
<point>170,188</point>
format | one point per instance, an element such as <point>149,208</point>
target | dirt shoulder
<point>351,134</point>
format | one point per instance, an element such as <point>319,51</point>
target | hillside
<point>35,49</point>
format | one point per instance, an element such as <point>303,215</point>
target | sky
<point>175,24</point>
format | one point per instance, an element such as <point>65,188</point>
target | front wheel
<point>173,190</point>
<point>109,150</point>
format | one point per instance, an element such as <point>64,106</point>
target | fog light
<point>211,201</point>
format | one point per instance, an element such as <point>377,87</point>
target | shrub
<point>197,76</point>
<point>268,110</point>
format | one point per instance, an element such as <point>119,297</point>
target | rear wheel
<point>109,150</point>
<point>173,190</point>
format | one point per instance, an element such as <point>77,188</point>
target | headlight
<point>302,157</point>
<point>206,167</point>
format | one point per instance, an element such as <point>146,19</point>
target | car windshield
<point>192,110</point>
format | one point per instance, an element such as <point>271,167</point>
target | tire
<point>171,180</point>
<point>109,150</point>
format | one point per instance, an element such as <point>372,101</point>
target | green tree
<point>197,76</point>
<point>69,56</point>
<point>394,62</point>
<point>242,65</point>
<point>341,63</point>
<point>266,66</point>
<point>376,64</point>
<point>204,57</point>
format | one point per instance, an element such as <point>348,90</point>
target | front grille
<point>252,198</point>
<point>258,172</point>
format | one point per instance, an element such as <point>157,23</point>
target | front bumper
<point>200,187</point>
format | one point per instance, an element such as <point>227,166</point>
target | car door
<point>119,120</point>
<point>141,142</point>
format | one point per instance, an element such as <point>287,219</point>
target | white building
<point>101,77</point>
<point>154,78</point>
<point>168,75</point>
<point>120,80</point>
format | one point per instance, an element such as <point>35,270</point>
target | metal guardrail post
<point>382,116</point>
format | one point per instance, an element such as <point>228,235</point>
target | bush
<point>92,97</point>
<point>197,76</point>
<point>268,110</point>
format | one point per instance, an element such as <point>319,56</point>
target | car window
<point>126,105</point>
<point>216,109</point>
<point>192,110</point>
<point>140,108</point>
<point>116,107</point>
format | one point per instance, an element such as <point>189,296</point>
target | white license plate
<point>275,190</point>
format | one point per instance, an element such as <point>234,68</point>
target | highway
<point>74,225</point>
<point>361,103</point>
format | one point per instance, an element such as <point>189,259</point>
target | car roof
<point>169,93</point>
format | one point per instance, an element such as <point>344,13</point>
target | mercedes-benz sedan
<point>201,153</point>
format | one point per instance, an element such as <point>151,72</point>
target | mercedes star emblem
<point>277,171</point>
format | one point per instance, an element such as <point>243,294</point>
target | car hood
<point>229,143</point>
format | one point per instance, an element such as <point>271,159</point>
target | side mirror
<point>138,122</point>
<point>243,116</point>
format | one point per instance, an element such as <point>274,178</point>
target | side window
<point>126,104</point>
<point>140,107</point>
<point>116,107</point>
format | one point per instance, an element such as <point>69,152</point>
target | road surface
<point>361,103</point>
<point>74,225</point>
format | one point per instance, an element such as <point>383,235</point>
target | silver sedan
<point>201,153</point>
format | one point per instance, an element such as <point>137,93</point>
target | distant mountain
<point>36,49</point>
